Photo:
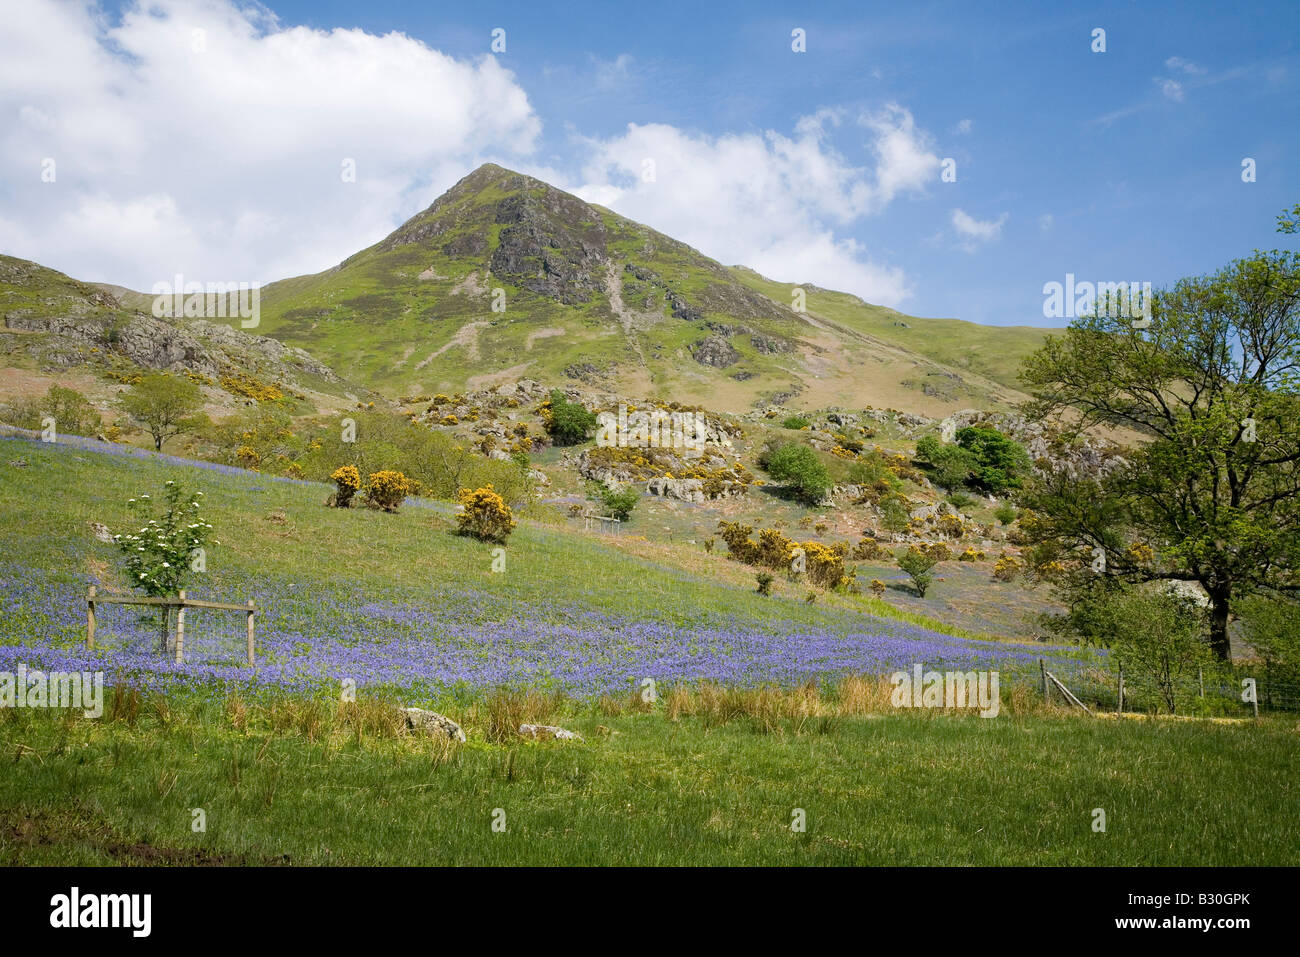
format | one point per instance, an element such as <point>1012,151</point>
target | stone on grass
<point>432,723</point>
<point>547,732</point>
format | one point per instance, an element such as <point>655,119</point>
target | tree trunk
<point>1220,600</point>
<point>165,637</point>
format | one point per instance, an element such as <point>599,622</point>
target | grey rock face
<point>715,351</point>
<point>770,345</point>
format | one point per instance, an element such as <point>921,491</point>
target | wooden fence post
<point>1200,680</point>
<point>1119,708</point>
<point>1254,701</point>
<point>251,611</point>
<point>180,628</point>
<point>1042,666</point>
<point>90,618</point>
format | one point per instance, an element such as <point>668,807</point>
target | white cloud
<point>1178,64</point>
<point>964,127</point>
<point>1045,222</point>
<point>203,138</point>
<point>1172,89</point>
<point>768,200</point>
<point>976,232</point>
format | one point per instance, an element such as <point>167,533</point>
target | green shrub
<point>164,405</point>
<point>949,465</point>
<point>160,557</point>
<point>918,565</point>
<point>796,422</point>
<point>1273,630</point>
<point>894,515</point>
<point>870,471</point>
<point>1000,463</point>
<point>1159,638</point>
<point>568,422</point>
<point>71,411</point>
<point>1006,514</point>
<point>620,503</point>
<point>960,500</point>
<point>801,470</point>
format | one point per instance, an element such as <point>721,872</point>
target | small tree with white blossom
<point>160,557</point>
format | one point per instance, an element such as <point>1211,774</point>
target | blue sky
<point>1117,166</point>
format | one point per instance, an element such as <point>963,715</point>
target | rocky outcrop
<point>694,490</point>
<point>715,351</point>
<point>1087,456</point>
<point>196,346</point>
<point>770,345</point>
<point>551,246</point>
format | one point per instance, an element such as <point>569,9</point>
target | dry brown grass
<point>506,709</point>
<point>853,695</point>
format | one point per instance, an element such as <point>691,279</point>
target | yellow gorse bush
<point>484,515</point>
<point>386,489</point>
<point>248,457</point>
<point>348,480</point>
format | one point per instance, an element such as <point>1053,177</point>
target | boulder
<point>433,724</point>
<point>547,732</point>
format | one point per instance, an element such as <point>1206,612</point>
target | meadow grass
<point>299,781</point>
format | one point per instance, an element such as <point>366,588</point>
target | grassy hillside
<point>413,607</point>
<point>991,353</point>
<point>594,298</point>
<point>95,338</point>
<point>711,773</point>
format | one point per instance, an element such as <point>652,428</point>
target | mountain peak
<point>505,273</point>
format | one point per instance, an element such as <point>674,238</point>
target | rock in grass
<point>432,723</point>
<point>546,731</point>
<point>102,533</point>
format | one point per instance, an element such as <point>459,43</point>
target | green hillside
<point>95,338</point>
<point>590,297</point>
<point>993,352</point>
<point>287,773</point>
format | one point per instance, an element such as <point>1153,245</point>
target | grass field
<point>646,790</point>
<point>710,772</point>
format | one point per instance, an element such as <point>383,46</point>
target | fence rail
<point>180,602</point>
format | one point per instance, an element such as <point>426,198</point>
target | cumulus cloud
<point>976,232</point>
<point>769,200</point>
<point>204,137</point>
<point>200,137</point>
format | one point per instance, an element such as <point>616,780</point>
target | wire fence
<point>1240,691</point>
